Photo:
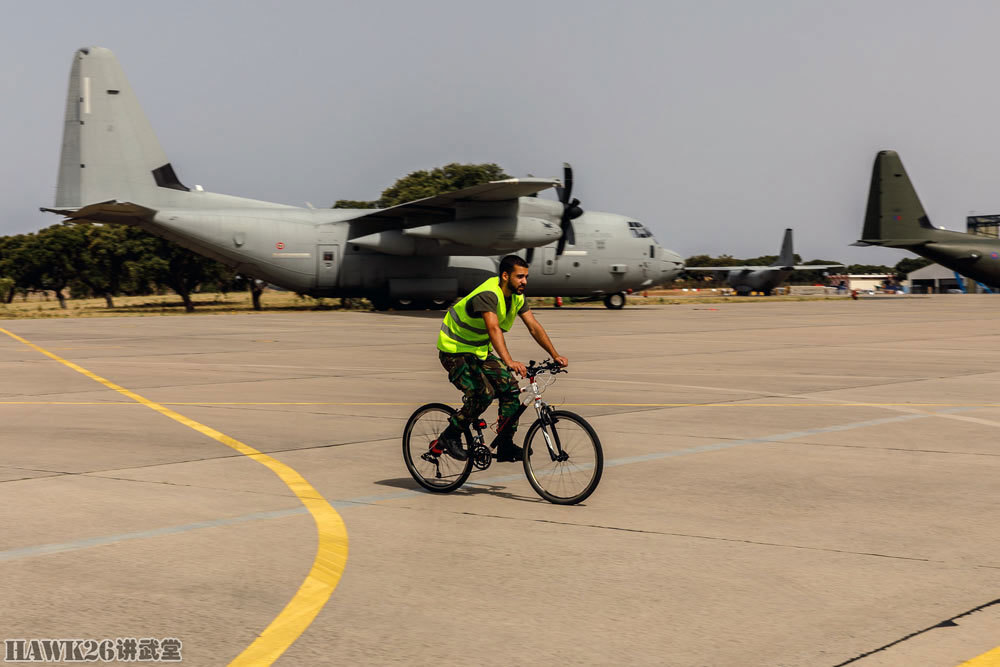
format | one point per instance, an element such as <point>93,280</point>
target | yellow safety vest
<point>462,334</point>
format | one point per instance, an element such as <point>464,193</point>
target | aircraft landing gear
<point>615,301</point>
<point>380,302</point>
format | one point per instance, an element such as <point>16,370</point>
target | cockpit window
<point>638,231</point>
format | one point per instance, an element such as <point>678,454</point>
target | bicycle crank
<point>482,457</point>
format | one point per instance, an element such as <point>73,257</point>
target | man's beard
<point>513,288</point>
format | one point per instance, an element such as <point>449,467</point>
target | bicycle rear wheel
<point>435,472</point>
<point>571,474</point>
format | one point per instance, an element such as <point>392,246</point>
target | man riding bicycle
<point>473,351</point>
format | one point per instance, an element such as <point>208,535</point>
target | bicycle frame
<point>542,409</point>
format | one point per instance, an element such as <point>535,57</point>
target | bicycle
<point>563,459</point>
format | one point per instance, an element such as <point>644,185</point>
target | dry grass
<point>39,306</point>
<point>169,304</point>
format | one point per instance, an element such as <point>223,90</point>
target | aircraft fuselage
<point>311,251</point>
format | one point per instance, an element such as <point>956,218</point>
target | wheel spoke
<point>573,479</point>
<point>441,472</point>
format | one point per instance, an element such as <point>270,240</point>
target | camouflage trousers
<point>480,381</point>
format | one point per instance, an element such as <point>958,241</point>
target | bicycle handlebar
<point>547,366</point>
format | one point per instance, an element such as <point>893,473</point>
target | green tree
<point>40,261</point>
<point>427,183</point>
<point>908,265</point>
<point>6,287</point>
<point>354,203</point>
<point>99,257</point>
<point>869,268</point>
<point>167,264</point>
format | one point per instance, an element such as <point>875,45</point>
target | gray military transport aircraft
<point>425,252</point>
<point>763,279</point>
<point>896,219</point>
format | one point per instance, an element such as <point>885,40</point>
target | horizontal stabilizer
<point>109,212</point>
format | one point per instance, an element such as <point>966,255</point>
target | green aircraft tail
<point>895,216</point>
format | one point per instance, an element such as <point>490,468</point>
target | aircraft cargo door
<point>548,260</point>
<point>328,257</point>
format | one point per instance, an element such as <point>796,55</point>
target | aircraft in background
<point>763,279</point>
<point>896,219</point>
<point>424,253</point>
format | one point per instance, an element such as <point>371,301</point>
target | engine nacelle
<point>495,233</point>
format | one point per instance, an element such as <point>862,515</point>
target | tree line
<point>105,261</point>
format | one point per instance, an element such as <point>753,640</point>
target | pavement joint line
<point>374,500</point>
<point>331,533</point>
<point>706,537</point>
<point>986,660</point>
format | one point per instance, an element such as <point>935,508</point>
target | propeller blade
<point>571,210</point>
<point>567,182</point>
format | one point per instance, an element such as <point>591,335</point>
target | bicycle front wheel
<point>435,472</point>
<point>566,469</point>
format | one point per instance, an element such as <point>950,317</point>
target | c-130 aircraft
<point>424,253</point>
<point>763,279</point>
<point>895,218</point>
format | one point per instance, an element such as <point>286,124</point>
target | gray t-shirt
<point>486,302</point>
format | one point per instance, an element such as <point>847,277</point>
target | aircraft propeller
<point>571,209</point>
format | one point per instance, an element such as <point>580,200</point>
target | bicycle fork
<point>545,419</point>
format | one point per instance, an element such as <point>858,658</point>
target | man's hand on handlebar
<point>563,361</point>
<point>518,368</point>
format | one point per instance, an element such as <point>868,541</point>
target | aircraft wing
<point>810,267</point>
<point>797,267</point>
<point>441,208</point>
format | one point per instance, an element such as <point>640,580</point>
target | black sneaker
<point>508,452</point>
<point>453,447</point>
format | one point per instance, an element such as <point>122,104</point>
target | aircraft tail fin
<point>787,256</point>
<point>109,150</point>
<point>895,215</point>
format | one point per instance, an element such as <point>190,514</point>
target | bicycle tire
<point>458,471</point>
<point>543,467</point>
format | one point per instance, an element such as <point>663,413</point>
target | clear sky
<point>718,124</point>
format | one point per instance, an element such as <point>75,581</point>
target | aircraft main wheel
<point>615,301</point>
<point>380,302</point>
<point>439,304</point>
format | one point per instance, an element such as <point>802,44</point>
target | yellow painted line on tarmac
<point>331,551</point>
<point>988,659</point>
